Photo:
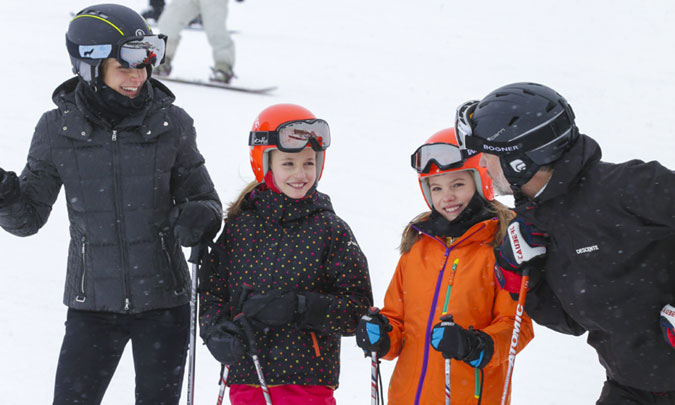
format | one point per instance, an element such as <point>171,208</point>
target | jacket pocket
<point>81,294</point>
<point>175,285</point>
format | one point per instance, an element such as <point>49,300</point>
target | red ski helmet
<point>289,128</point>
<point>441,154</point>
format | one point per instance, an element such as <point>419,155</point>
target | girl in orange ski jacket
<point>447,268</point>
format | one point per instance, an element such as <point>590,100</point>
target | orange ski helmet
<point>289,128</point>
<point>441,154</point>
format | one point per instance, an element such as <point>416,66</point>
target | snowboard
<point>218,85</point>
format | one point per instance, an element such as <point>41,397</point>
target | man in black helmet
<point>608,231</point>
<point>136,190</point>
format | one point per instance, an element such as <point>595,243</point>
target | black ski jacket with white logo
<point>121,184</point>
<point>611,261</point>
<point>279,245</point>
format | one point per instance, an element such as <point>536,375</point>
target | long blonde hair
<point>235,207</point>
<point>502,212</point>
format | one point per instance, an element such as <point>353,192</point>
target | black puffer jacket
<point>611,261</point>
<point>277,245</point>
<point>121,184</point>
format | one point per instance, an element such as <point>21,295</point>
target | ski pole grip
<point>196,253</point>
<point>248,332</point>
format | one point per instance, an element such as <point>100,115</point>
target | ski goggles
<point>531,143</point>
<point>293,136</point>
<point>133,52</point>
<point>444,155</point>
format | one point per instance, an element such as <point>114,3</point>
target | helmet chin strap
<point>518,170</point>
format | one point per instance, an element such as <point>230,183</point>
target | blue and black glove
<point>371,333</point>
<point>223,340</point>
<point>471,346</point>
<point>9,187</point>
<point>523,247</point>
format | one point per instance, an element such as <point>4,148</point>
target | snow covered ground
<point>385,74</point>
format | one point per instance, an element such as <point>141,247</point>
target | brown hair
<point>235,207</point>
<point>502,212</point>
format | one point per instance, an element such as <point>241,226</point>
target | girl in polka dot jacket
<point>286,264</point>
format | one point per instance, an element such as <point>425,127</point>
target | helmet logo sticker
<point>95,51</point>
<point>518,165</point>
<point>140,32</point>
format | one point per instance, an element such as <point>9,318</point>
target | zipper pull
<point>126,304</point>
<point>114,135</point>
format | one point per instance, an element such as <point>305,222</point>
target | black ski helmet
<point>527,125</point>
<point>101,31</point>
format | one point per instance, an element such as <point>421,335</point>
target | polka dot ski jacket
<point>277,245</point>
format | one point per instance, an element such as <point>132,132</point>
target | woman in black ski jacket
<point>287,265</point>
<point>136,188</point>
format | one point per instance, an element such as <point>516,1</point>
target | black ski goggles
<point>133,52</point>
<point>529,143</point>
<point>444,155</point>
<point>293,136</point>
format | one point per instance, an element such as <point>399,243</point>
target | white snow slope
<point>386,74</point>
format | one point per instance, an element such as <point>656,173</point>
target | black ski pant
<point>93,346</point>
<point>614,393</point>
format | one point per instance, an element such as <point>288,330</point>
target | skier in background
<point>136,188</point>
<point>154,10</point>
<point>609,266</point>
<point>286,263</point>
<point>446,268</point>
<point>178,14</point>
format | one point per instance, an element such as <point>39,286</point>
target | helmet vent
<point>513,120</point>
<point>551,105</point>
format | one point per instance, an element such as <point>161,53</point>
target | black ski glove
<point>312,310</point>
<point>273,309</point>
<point>224,342</point>
<point>371,333</point>
<point>307,310</point>
<point>471,346</point>
<point>9,187</point>
<point>523,247</point>
<point>194,223</point>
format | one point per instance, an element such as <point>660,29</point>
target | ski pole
<point>373,379</point>
<point>450,319</point>
<point>225,369</point>
<point>195,253</point>
<point>223,383</point>
<point>520,310</point>
<point>254,356</point>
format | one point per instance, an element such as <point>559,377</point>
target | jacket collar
<point>77,123</point>
<point>568,172</point>
<point>279,208</point>
<point>480,232</point>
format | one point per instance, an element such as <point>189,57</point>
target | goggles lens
<point>444,155</point>
<point>144,51</point>
<point>295,135</point>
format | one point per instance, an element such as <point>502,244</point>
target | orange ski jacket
<point>460,272</point>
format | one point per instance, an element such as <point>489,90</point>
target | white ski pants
<point>178,14</point>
